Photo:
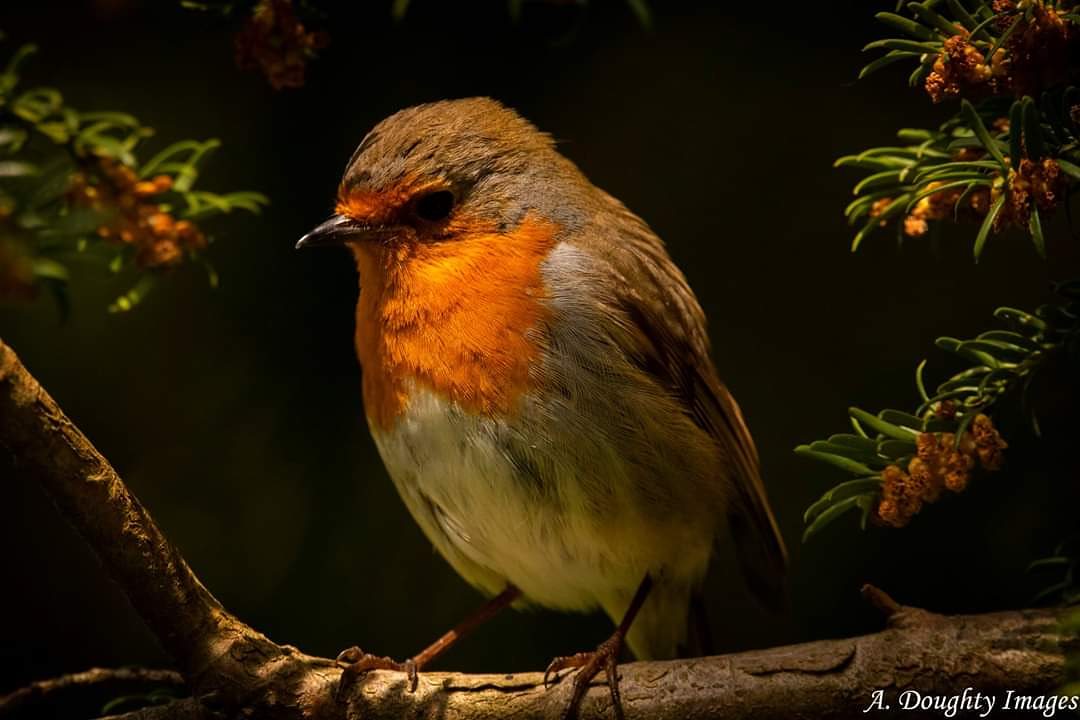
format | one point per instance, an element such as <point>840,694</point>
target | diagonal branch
<point>46,445</point>
<point>235,670</point>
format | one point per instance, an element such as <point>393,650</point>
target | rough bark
<point>233,670</point>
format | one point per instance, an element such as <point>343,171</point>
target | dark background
<point>235,414</point>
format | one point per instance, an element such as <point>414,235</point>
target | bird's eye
<point>435,206</point>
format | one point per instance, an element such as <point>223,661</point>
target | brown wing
<point>673,347</point>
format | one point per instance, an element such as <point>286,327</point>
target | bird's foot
<point>606,658</point>
<point>356,662</point>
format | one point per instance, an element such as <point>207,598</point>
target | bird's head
<point>445,171</point>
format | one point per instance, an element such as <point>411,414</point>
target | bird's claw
<point>606,658</point>
<point>355,663</point>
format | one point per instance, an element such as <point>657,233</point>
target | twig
<point>880,600</point>
<point>186,709</point>
<point>90,689</point>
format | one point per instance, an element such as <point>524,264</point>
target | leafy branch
<point>73,189</point>
<point>903,460</point>
<point>1008,157</point>
<point>1011,155</point>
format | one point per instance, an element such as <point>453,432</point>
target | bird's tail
<point>758,545</point>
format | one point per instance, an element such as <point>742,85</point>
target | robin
<point>537,379</point>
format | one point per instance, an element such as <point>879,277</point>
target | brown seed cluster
<point>960,70</point>
<point>1037,53</point>
<point>940,463</point>
<point>879,207</point>
<point>1039,184</point>
<point>1033,57</point>
<point>945,410</point>
<point>274,41</point>
<point>942,205</point>
<point>134,217</point>
<point>989,445</point>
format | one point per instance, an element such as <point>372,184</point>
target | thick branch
<point>234,668</point>
<point>46,445</point>
<point>1020,651</point>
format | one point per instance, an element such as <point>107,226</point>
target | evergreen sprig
<point>1011,154</point>
<point>992,29</point>
<point>1007,157</point>
<point>999,363</point>
<point>72,188</point>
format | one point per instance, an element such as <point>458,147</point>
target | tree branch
<point>48,447</point>
<point>89,690</point>
<point>232,668</point>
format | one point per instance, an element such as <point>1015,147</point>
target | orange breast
<point>454,317</point>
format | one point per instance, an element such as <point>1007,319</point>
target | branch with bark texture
<point>233,670</point>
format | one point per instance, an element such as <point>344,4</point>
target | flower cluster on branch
<point>71,184</point>
<point>902,461</point>
<point>276,39</point>
<point>1031,53</point>
<point>942,462</point>
<point>1005,162</point>
<point>275,42</point>
<point>134,214</point>
<point>1009,157</point>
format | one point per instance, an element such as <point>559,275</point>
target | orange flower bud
<point>922,479</point>
<point>989,445</point>
<point>161,223</point>
<point>190,235</point>
<point>145,188</point>
<point>888,513</point>
<point>958,471</point>
<point>927,447</point>
<point>956,481</point>
<point>946,409</point>
<point>160,253</point>
<point>915,226</point>
<point>898,489</point>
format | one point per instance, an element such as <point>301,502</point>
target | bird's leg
<point>357,662</point>
<point>605,657</point>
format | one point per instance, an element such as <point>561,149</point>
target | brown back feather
<point>673,347</point>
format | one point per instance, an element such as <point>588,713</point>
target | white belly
<point>471,503</point>
<point>496,525</point>
<point>498,522</point>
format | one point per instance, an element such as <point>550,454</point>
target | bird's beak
<point>335,231</point>
<point>340,230</point>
